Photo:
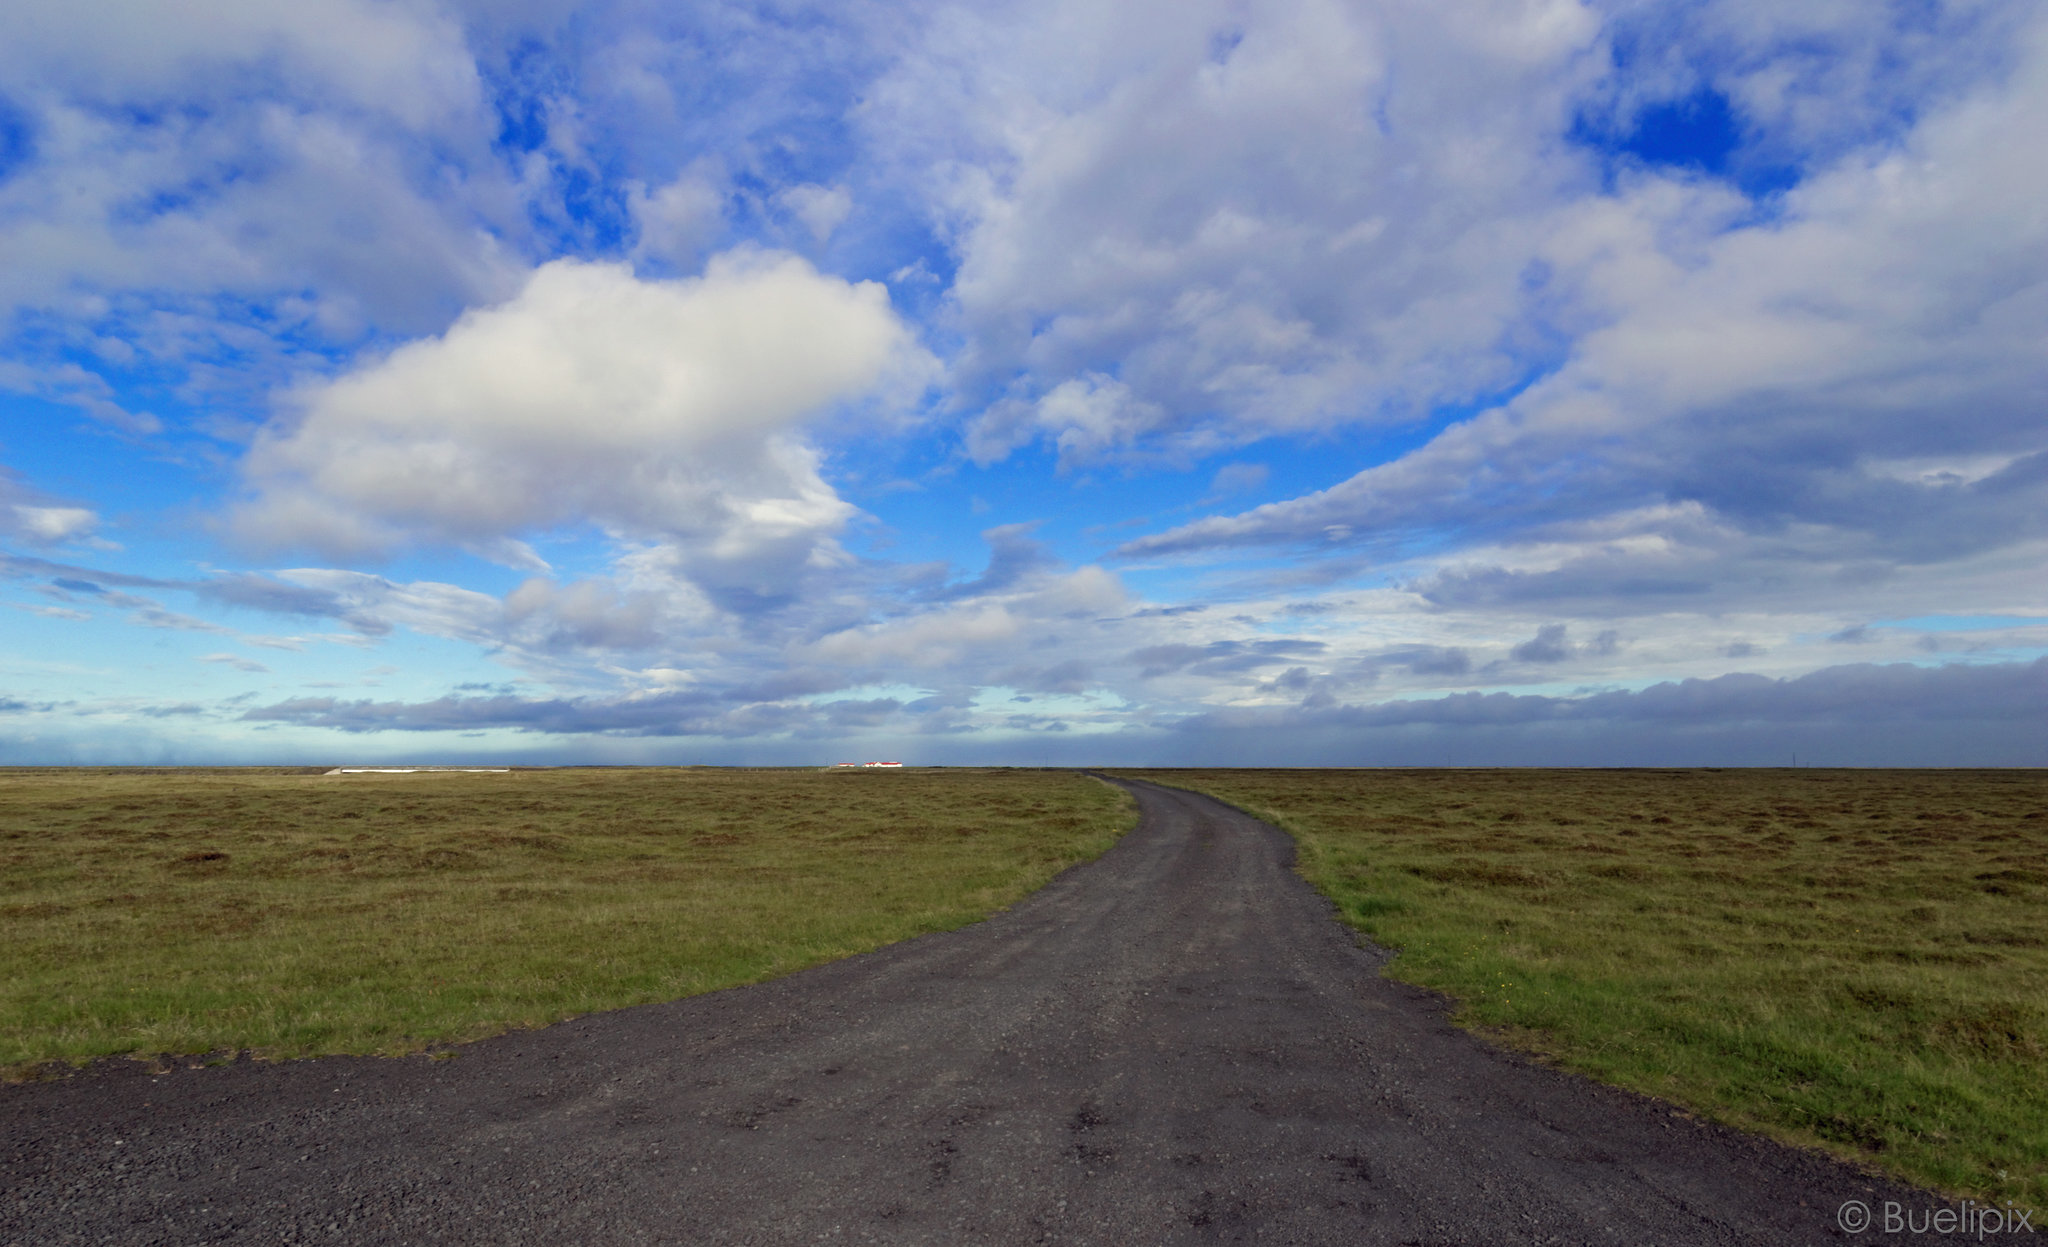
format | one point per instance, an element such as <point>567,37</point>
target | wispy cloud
<point>237,661</point>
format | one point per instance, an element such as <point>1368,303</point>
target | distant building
<point>881,764</point>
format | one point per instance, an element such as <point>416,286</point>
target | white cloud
<point>54,612</point>
<point>425,606</point>
<point>51,524</point>
<point>588,614</point>
<point>821,209</point>
<point>68,383</point>
<point>27,515</point>
<point>669,412</point>
<point>336,210</point>
<point>1237,478</point>
<point>397,58</point>
<point>972,635</point>
<point>1086,418</point>
<point>678,221</point>
<point>1856,380</point>
<point>1809,81</point>
<point>236,661</point>
<point>1246,220</point>
<point>196,180</point>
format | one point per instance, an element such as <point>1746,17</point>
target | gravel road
<point>1176,1044</point>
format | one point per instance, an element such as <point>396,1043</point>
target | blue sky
<point>1293,383</point>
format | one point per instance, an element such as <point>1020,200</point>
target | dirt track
<point>1175,1044</point>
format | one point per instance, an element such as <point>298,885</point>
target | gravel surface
<point>1176,1044</point>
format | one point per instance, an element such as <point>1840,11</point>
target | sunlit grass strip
<point>1856,960</point>
<point>204,911</point>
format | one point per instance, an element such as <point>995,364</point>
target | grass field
<point>184,911</point>
<point>1856,960</point>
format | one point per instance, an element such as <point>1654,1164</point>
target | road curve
<point>1175,1044</point>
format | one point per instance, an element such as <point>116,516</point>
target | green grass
<point>1854,960</point>
<point>184,911</point>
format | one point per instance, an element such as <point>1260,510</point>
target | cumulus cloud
<point>328,162</point>
<point>1184,226</point>
<point>1804,83</point>
<point>667,411</point>
<point>676,223</point>
<point>1085,417</point>
<point>394,58</point>
<point>821,209</point>
<point>1808,369</point>
<point>52,524</point>
<point>31,517</point>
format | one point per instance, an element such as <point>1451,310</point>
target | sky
<point>1504,382</point>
